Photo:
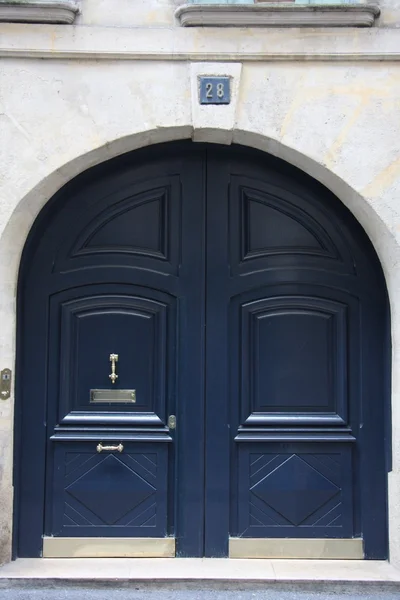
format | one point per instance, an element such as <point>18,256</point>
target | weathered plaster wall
<point>160,13</point>
<point>338,122</point>
<point>151,13</point>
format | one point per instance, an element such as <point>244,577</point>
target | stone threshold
<point>175,570</point>
<point>62,12</point>
<point>277,15</point>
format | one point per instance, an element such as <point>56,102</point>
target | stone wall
<point>160,13</point>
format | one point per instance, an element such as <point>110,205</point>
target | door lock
<point>172,421</point>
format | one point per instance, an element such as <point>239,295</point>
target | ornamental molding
<point>57,42</point>
<point>38,11</point>
<point>277,15</point>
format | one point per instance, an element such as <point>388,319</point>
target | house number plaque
<point>215,90</point>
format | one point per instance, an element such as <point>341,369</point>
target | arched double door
<point>201,365</point>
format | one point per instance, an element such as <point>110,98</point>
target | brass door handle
<point>113,359</point>
<point>100,448</point>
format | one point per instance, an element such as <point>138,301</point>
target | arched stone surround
<point>337,143</point>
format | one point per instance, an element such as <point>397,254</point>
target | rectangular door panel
<point>295,489</point>
<point>110,493</point>
<point>293,360</point>
<point>94,326</point>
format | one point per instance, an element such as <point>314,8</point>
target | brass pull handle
<point>100,448</point>
<point>113,359</point>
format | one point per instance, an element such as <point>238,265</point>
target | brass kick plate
<point>88,547</point>
<point>112,396</point>
<point>297,548</point>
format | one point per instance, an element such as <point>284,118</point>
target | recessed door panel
<point>272,226</point>
<point>139,228</point>
<point>295,490</point>
<point>294,360</point>
<point>134,328</point>
<point>120,492</point>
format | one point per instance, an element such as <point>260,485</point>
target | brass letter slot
<point>112,396</point>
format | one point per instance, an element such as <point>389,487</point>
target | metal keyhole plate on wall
<point>5,384</point>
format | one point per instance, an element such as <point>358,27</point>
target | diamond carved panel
<point>110,490</point>
<point>295,490</point>
<point>109,494</point>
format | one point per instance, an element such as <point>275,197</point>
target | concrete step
<point>198,569</point>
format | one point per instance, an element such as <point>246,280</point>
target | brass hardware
<point>112,396</point>
<point>113,359</point>
<point>296,548</point>
<point>100,448</point>
<point>5,384</point>
<point>108,547</point>
<point>172,421</point>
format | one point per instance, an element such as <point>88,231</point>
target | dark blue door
<point>112,320</point>
<point>223,291</point>
<point>294,361</point>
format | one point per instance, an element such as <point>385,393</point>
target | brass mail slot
<point>112,396</point>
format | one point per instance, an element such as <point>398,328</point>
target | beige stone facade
<point>124,76</point>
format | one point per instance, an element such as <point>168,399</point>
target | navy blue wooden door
<point>294,361</point>
<point>116,267</point>
<point>242,298</point>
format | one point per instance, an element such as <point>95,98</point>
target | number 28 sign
<point>215,90</point>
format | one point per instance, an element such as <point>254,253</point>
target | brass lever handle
<point>100,448</point>
<point>113,359</point>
